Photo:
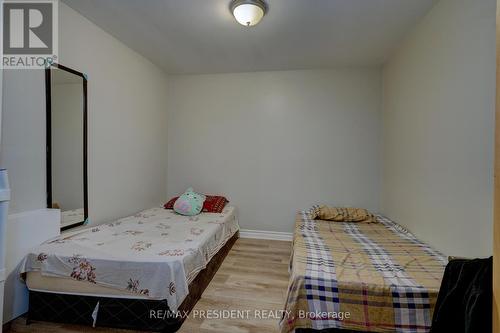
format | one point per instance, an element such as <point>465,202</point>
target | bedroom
<point>385,105</point>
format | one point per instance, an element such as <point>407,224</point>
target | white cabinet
<point>24,231</point>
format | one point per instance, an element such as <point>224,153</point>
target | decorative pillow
<point>342,214</point>
<point>170,203</point>
<point>212,204</point>
<point>190,203</point>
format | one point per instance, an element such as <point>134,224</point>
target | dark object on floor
<point>464,303</point>
<point>137,314</point>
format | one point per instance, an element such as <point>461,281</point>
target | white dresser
<point>23,232</point>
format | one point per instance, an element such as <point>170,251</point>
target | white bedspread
<point>156,253</point>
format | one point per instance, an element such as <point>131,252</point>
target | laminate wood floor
<point>252,279</point>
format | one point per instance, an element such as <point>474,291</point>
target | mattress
<point>154,254</point>
<point>370,277</point>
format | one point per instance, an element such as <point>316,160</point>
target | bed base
<point>137,314</point>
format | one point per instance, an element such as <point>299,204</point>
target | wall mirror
<point>66,103</point>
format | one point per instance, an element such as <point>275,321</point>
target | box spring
<point>125,313</point>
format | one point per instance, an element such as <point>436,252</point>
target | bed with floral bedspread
<point>155,253</point>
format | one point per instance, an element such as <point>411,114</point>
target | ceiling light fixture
<point>248,12</point>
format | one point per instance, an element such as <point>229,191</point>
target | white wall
<point>277,142</point>
<point>2,220</point>
<point>127,124</point>
<point>438,128</point>
<point>22,149</point>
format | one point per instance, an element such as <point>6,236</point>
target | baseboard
<point>262,234</point>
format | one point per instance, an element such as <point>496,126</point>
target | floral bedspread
<point>155,253</point>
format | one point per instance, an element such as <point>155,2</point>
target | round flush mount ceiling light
<point>248,12</point>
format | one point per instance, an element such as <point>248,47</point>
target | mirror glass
<point>67,150</point>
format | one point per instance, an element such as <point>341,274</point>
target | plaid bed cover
<point>373,277</point>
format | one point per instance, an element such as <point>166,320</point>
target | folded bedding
<point>370,277</point>
<point>155,253</point>
<point>341,214</point>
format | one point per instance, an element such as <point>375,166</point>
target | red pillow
<point>212,204</point>
<point>170,203</point>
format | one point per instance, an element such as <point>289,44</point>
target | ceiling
<point>201,36</point>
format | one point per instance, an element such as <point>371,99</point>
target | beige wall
<point>277,142</point>
<point>127,124</point>
<point>438,121</point>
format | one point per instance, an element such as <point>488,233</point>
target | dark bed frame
<point>137,314</point>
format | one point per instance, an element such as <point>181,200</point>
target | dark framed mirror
<point>66,122</point>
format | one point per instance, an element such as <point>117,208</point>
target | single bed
<point>364,277</point>
<point>129,272</point>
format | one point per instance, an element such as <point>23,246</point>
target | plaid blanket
<point>373,277</point>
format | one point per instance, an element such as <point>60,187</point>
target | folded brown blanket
<point>340,214</point>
